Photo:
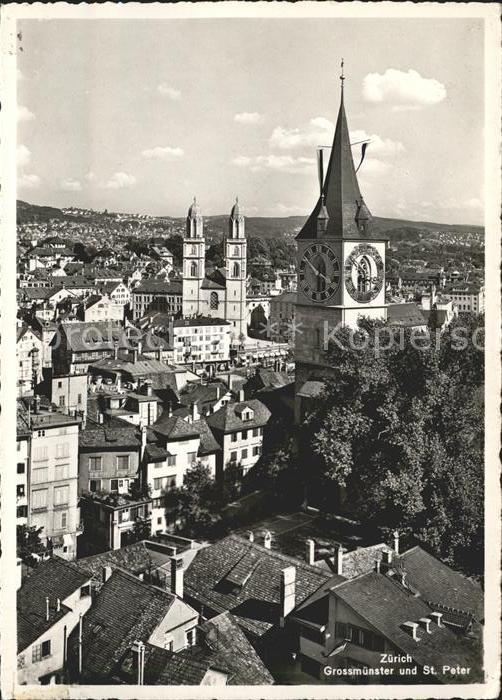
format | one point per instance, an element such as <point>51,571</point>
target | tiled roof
<point>205,395</point>
<point>311,388</point>
<point>95,335</point>
<point>163,667</point>
<point>125,610</point>
<point>226,419</point>
<point>208,444</point>
<point>174,427</point>
<point>133,557</point>
<point>152,286</point>
<point>386,605</point>
<point>55,578</point>
<point>209,283</point>
<point>438,583</point>
<point>407,314</point>
<point>362,560</point>
<point>200,321</point>
<point>155,453</point>
<point>224,645</point>
<point>256,604</point>
<point>118,436</point>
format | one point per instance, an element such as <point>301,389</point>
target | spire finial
<point>342,76</point>
<point>194,199</point>
<point>237,199</point>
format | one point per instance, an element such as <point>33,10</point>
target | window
<point>61,495</point>
<point>236,270</point>
<point>193,269</point>
<point>169,646</point>
<point>60,385</point>
<point>41,433</point>
<point>41,651</point>
<point>233,456</point>
<point>256,432</point>
<point>39,476</point>
<point>79,399</point>
<point>22,512</point>
<point>256,451</point>
<point>63,520</point>
<point>95,464</point>
<point>62,450</point>
<point>190,637</point>
<point>20,467</point>
<point>244,454</point>
<point>85,591</point>
<point>41,454</point>
<point>233,437</point>
<point>94,485</point>
<point>39,498</point>
<point>61,471</point>
<point>213,300</point>
<point>361,637</point>
<point>114,484</point>
<point>191,457</point>
<point>61,401</point>
<point>244,434</point>
<point>20,490</point>
<point>171,460</point>
<point>122,462</point>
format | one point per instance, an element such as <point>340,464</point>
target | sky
<point>140,116</point>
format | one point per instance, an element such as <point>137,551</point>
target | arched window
<point>213,300</point>
<point>364,275</point>
<point>236,251</point>
<point>193,250</point>
<point>193,269</point>
<point>236,270</point>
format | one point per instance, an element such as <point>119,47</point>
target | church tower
<point>235,266</point>
<point>193,261</point>
<point>340,263</point>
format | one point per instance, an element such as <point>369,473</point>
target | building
<point>49,605</point>
<point>221,294</point>
<point>282,317</point>
<point>77,345</point>
<point>69,394</point>
<point>52,474</point>
<point>109,457</point>
<point>156,295</point>
<point>411,606</point>
<point>99,307</point>
<point>203,341</point>
<point>118,292</point>
<point>340,264</point>
<point>469,298</point>
<point>29,356</point>
<point>238,429</point>
<point>113,520</point>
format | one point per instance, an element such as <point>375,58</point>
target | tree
<point>29,542</point>
<point>194,507</point>
<point>401,429</point>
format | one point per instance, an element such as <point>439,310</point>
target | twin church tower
<point>222,293</point>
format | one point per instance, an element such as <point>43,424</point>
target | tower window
<point>193,250</point>
<point>236,251</point>
<point>193,269</point>
<point>236,269</point>
<point>213,300</point>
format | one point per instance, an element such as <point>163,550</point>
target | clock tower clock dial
<point>364,273</point>
<point>319,272</point>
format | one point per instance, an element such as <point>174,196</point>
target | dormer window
<point>245,413</point>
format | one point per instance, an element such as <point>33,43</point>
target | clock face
<point>364,272</point>
<point>319,272</point>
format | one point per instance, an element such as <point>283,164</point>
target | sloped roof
<point>226,418</point>
<point>174,427</point>
<point>118,437</point>
<point>155,286</point>
<point>341,190</point>
<point>94,335</point>
<point>255,605</point>
<point>55,578</point>
<point>208,444</point>
<point>407,315</point>
<point>163,667</point>
<point>125,610</point>
<point>387,605</point>
<point>224,645</point>
<point>209,283</point>
<point>311,388</point>
<point>133,557</point>
<point>438,583</point>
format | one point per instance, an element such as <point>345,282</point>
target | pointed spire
<point>235,213</point>
<point>194,209</point>
<point>341,196</point>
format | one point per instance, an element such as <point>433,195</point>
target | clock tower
<point>340,266</point>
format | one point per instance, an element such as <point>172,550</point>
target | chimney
<point>58,604</point>
<point>177,576</point>
<point>387,556</point>
<point>310,552</point>
<point>106,573</point>
<point>217,391</point>
<point>288,592</point>
<point>339,550</point>
<point>134,355</point>
<point>194,411</point>
<point>36,407</point>
<point>396,541</point>
<point>426,624</point>
<point>267,540</point>
<point>139,648</point>
<point>169,409</point>
<point>159,354</point>
<point>115,352</point>
<point>378,562</point>
<point>412,628</point>
<point>403,578</point>
<point>436,616</point>
<point>118,381</point>
<point>140,347</point>
<point>147,387</point>
<point>241,394</point>
<point>100,418</point>
<point>143,439</point>
<point>251,536</point>
<point>230,380</point>
<point>46,607</point>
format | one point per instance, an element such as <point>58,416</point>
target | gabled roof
<point>55,578</point>
<point>153,286</point>
<point>255,604</point>
<point>93,335</point>
<point>163,667</point>
<point>174,427</point>
<point>438,583</point>
<point>95,436</point>
<point>133,557</point>
<point>125,610</point>
<point>208,444</point>
<point>387,606</point>
<point>223,645</point>
<point>209,283</point>
<point>343,201</point>
<point>227,418</point>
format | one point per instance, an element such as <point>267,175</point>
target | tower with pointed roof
<point>193,261</point>
<point>235,269</point>
<point>340,264</point>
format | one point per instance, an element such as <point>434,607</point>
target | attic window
<point>240,574</point>
<point>245,413</point>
